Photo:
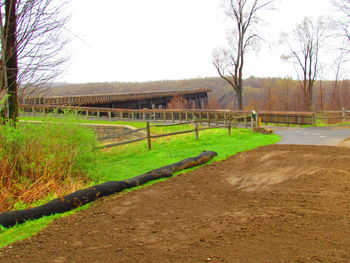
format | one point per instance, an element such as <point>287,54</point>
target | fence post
<point>148,128</point>
<point>252,123</point>
<point>276,120</point>
<point>229,126</point>
<point>314,118</point>
<point>344,115</point>
<point>234,122</point>
<point>196,130</point>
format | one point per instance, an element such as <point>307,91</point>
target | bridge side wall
<point>195,100</point>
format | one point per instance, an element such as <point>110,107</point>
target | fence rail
<point>210,117</point>
<point>334,116</point>
<point>149,135</point>
<point>299,118</point>
<point>203,116</point>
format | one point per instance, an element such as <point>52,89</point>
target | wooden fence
<point>148,135</point>
<point>298,118</point>
<point>332,117</point>
<point>305,118</point>
<point>210,117</point>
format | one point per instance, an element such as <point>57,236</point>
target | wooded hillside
<point>259,93</point>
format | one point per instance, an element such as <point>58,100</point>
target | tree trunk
<point>10,58</point>
<point>240,100</point>
<point>321,96</point>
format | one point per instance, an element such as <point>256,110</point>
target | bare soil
<point>280,203</point>
<point>345,143</point>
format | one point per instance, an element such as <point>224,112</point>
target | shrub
<point>37,160</point>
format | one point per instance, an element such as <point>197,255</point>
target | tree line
<point>304,47</point>
<point>276,94</point>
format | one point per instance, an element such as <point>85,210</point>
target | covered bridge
<point>192,99</point>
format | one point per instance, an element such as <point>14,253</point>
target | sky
<point>138,40</point>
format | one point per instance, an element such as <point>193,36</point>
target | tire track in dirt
<point>280,203</point>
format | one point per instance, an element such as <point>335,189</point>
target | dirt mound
<point>278,203</point>
<point>345,143</point>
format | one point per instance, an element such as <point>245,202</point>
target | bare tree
<point>338,72</point>
<point>320,101</point>
<point>31,45</point>
<point>304,47</point>
<point>339,92</point>
<point>344,7</point>
<point>229,62</point>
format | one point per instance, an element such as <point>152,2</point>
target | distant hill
<point>259,93</point>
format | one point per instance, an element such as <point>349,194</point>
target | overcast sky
<point>138,40</point>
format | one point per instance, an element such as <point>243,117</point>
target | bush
<point>37,160</point>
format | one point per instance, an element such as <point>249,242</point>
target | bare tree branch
<point>343,23</point>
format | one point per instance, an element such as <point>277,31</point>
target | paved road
<point>332,136</point>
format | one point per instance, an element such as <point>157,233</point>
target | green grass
<point>320,123</point>
<point>160,130</point>
<point>131,160</point>
<point>136,124</point>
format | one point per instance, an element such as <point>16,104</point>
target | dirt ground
<point>345,143</point>
<point>278,203</point>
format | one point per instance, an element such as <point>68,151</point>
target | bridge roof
<point>101,98</point>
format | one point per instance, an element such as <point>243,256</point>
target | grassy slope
<point>141,124</point>
<point>128,161</point>
<point>134,159</point>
